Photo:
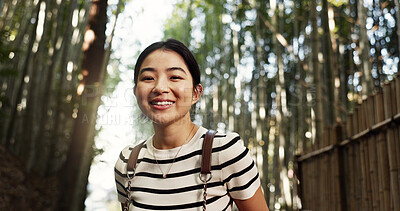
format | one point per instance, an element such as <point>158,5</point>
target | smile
<point>161,103</point>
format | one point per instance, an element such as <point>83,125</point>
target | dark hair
<point>176,46</point>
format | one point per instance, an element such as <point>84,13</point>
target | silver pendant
<point>164,176</point>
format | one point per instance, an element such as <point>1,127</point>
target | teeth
<point>162,103</point>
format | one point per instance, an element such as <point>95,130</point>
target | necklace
<point>169,168</point>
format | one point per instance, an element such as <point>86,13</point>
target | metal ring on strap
<point>205,178</point>
<point>127,174</point>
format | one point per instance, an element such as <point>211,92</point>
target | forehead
<point>164,59</point>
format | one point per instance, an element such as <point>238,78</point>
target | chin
<point>168,120</point>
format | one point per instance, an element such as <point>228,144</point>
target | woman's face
<point>164,90</point>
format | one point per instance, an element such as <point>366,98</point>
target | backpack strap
<point>205,173</point>
<point>131,167</point>
<point>207,150</point>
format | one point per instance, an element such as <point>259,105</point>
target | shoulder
<point>123,157</point>
<point>229,141</point>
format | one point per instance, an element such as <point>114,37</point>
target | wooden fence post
<point>394,182</point>
<point>397,111</point>
<point>373,163</point>
<point>383,162</point>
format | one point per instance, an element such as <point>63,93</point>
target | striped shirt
<point>234,175</point>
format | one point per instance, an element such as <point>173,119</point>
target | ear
<point>197,91</point>
<point>134,90</point>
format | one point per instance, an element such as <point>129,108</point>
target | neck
<point>172,136</point>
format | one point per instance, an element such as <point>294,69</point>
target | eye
<point>176,77</point>
<point>147,78</point>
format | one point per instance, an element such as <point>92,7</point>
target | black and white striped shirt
<point>234,175</point>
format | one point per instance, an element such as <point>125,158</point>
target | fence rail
<point>356,166</point>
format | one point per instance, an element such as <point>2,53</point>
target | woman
<point>167,84</point>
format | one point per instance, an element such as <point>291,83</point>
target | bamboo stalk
<point>324,194</point>
<point>344,187</point>
<point>331,173</point>
<point>373,156</point>
<point>393,97</point>
<point>361,156</point>
<point>363,178</point>
<point>334,171</point>
<point>383,161</point>
<point>394,182</point>
<point>308,185</point>
<point>337,170</point>
<point>310,175</point>
<point>397,85</point>
<point>324,162</point>
<point>365,143</point>
<point>396,94</point>
<point>356,119</point>
<point>316,183</point>
<point>373,173</point>
<point>377,103</point>
<point>352,177</point>
<point>303,182</point>
<point>368,186</point>
<point>349,126</point>
<point>320,185</point>
<point>357,175</point>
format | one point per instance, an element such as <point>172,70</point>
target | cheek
<point>186,93</point>
<point>141,94</point>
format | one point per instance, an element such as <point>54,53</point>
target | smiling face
<point>164,89</point>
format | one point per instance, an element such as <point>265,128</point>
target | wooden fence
<point>356,165</point>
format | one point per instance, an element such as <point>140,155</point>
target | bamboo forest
<point>311,86</point>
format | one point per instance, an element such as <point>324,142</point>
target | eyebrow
<point>150,69</point>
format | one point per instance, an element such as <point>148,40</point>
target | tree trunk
<point>259,122</point>
<point>318,107</point>
<point>19,92</point>
<point>397,4</point>
<point>41,102</point>
<point>302,105</point>
<point>367,81</point>
<point>80,152</point>
<point>64,50</point>
<point>329,60</point>
<point>11,90</point>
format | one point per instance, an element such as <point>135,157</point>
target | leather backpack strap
<point>205,173</point>
<point>207,151</point>
<point>134,156</point>
<point>130,168</point>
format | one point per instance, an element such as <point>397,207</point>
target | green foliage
<point>176,26</point>
<point>6,70</point>
<point>113,76</point>
<point>338,3</point>
<point>5,52</point>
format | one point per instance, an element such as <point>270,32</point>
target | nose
<point>161,86</point>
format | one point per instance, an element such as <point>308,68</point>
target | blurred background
<point>310,86</point>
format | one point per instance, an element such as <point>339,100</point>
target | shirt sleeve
<point>239,172</point>
<point>121,180</point>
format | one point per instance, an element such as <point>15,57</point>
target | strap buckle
<point>130,171</point>
<point>205,177</point>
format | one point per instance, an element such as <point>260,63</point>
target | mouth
<point>161,103</point>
